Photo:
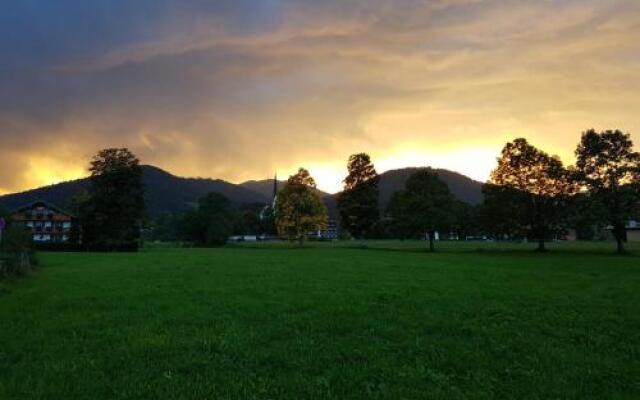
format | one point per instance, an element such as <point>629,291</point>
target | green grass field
<point>474,321</point>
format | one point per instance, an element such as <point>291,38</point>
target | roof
<point>45,203</point>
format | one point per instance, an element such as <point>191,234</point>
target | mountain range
<point>166,193</point>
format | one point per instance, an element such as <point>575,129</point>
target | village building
<point>633,231</point>
<point>330,232</point>
<point>46,222</point>
<point>269,210</point>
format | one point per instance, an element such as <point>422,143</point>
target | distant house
<point>330,232</point>
<point>47,222</point>
<point>633,231</point>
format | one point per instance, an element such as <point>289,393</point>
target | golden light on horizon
<point>442,84</point>
<point>48,171</point>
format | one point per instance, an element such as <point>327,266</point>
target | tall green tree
<point>466,221</point>
<point>299,209</point>
<point>503,212</point>
<point>587,216</point>
<point>358,203</point>
<point>212,222</point>
<point>248,223</point>
<point>166,227</point>
<point>426,206</point>
<point>112,215</point>
<point>609,168</point>
<point>539,184</point>
<point>5,215</point>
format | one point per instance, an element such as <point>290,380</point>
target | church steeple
<point>275,190</point>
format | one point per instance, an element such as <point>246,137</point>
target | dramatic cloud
<point>236,89</point>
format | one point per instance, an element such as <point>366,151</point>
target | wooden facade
<point>46,222</point>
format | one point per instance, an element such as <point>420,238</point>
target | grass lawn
<point>330,321</point>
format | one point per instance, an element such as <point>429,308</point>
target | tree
<point>609,168</point>
<point>536,182</point>
<point>502,212</point>
<point>83,209</point>
<point>248,223</point>
<point>424,207</point>
<point>465,219</point>
<point>112,214</point>
<point>211,223</point>
<point>299,209</point>
<point>166,227</point>
<point>358,203</point>
<point>5,215</point>
<point>587,216</point>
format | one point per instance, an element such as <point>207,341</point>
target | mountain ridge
<point>168,193</point>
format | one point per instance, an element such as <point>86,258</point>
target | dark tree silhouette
<point>609,168</point>
<point>248,223</point>
<point>543,186</point>
<point>358,203</point>
<point>112,215</point>
<point>465,222</point>
<point>212,222</point>
<point>299,209</point>
<point>426,206</point>
<point>503,211</point>
<point>587,216</point>
<point>5,214</point>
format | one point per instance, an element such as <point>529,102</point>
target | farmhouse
<point>47,222</point>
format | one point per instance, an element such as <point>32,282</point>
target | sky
<point>240,89</point>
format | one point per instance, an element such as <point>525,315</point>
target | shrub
<point>16,252</point>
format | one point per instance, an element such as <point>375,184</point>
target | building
<point>633,231</point>
<point>330,232</point>
<point>269,210</point>
<point>47,223</point>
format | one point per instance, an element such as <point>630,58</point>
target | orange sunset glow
<point>239,90</point>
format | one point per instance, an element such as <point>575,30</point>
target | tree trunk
<point>431,245</point>
<point>541,243</point>
<point>619,233</point>
<point>301,240</point>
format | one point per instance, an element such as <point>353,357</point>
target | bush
<point>16,252</point>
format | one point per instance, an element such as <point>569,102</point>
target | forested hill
<point>463,187</point>
<point>165,192</point>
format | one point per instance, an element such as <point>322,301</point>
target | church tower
<point>269,210</point>
<point>275,191</point>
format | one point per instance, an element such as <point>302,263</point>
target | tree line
<point>530,195</point>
